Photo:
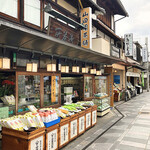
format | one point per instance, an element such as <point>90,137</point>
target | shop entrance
<point>71,88</point>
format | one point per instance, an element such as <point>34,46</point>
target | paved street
<point>130,133</point>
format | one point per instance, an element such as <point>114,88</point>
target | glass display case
<point>28,91</point>
<point>88,87</point>
<point>103,105</point>
<point>51,90</point>
<point>38,89</point>
<point>101,84</point>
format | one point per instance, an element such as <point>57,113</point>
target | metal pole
<point>146,43</point>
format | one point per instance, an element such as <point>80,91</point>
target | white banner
<point>52,140</point>
<point>81,124</point>
<point>134,52</point>
<point>37,144</point>
<point>144,54</point>
<point>73,128</point>
<point>88,120</point>
<point>128,44</point>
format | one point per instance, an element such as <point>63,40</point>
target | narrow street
<point>132,132</point>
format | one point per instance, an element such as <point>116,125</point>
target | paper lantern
<point>4,63</point>
<point>51,67</point>
<point>31,67</point>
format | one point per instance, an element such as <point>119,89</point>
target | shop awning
<point>22,38</point>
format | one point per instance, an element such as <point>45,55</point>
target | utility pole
<point>146,43</point>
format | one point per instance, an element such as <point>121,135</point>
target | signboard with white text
<point>134,52</point>
<point>128,44</point>
<point>86,34</point>
<point>144,54</point>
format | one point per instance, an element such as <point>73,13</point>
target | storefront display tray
<point>102,113</point>
<point>49,124</point>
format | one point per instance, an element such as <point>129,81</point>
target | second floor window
<point>32,11</point>
<point>9,7</point>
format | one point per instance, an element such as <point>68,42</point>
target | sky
<point>138,21</point>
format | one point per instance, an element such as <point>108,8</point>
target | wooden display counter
<point>20,140</point>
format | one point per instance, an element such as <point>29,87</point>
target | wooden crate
<point>74,126</point>
<point>88,118</point>
<point>64,128</point>
<point>81,123</point>
<point>52,134</point>
<point>94,115</point>
<point>20,140</point>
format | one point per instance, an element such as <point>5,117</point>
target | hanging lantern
<point>51,67</point>
<point>98,73</point>
<point>92,71</point>
<point>31,67</point>
<point>65,69</point>
<point>4,63</point>
<point>75,69</point>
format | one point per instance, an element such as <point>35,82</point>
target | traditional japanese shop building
<point>42,50</point>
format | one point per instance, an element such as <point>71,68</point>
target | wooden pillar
<point>110,85</point>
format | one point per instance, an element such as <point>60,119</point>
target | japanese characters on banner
<point>64,138</point>
<point>86,34</point>
<point>88,120</point>
<point>52,140</point>
<point>37,144</point>
<point>144,54</point>
<point>128,44</point>
<point>53,89</point>
<point>134,52</point>
<point>81,124</point>
<point>73,130</point>
<point>94,117</point>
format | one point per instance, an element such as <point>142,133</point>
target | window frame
<point>28,24</point>
<point>41,89</point>
<point>11,18</point>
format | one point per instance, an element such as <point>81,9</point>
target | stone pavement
<point>130,133</point>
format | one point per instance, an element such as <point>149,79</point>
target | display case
<point>88,87</point>
<point>101,84</point>
<point>103,105</point>
<point>38,89</point>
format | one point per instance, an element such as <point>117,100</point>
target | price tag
<point>37,144</point>
<point>73,128</point>
<point>81,124</point>
<point>52,140</point>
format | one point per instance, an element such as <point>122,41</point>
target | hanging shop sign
<point>144,54</point>
<point>128,44</point>
<point>86,34</point>
<point>53,89</point>
<point>63,32</point>
<point>134,52</point>
<point>115,52</point>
